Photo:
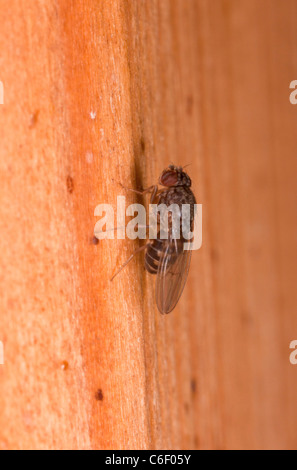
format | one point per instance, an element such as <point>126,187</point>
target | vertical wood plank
<point>103,93</point>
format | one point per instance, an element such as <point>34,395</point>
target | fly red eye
<point>169,178</point>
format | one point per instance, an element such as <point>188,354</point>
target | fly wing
<point>171,277</point>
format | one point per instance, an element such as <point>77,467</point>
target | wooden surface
<point>92,364</point>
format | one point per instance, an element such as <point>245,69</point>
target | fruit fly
<point>167,258</point>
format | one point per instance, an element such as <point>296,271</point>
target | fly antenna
<point>188,164</point>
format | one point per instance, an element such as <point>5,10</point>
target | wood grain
<point>103,93</point>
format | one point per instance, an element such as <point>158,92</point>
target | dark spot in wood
<point>187,407</point>
<point>33,119</point>
<point>99,395</point>
<point>64,365</point>
<point>193,386</point>
<point>214,255</point>
<point>138,176</point>
<point>246,318</point>
<point>190,105</point>
<point>69,184</point>
<point>142,144</point>
<point>94,240</point>
<point>196,442</point>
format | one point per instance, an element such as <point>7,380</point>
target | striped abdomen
<point>154,254</point>
<point>159,249</point>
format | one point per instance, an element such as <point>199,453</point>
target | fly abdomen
<point>154,255</point>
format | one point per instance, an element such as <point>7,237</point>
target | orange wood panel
<point>103,93</point>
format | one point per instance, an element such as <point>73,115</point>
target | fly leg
<point>175,245</point>
<point>129,259</point>
<point>152,189</point>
